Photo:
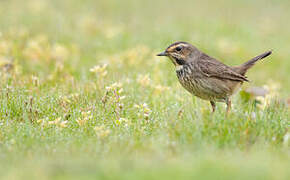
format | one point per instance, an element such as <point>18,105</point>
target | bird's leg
<point>229,104</point>
<point>213,106</point>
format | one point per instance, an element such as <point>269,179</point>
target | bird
<point>206,77</point>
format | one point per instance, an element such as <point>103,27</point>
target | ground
<point>83,94</point>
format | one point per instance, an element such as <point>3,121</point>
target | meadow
<point>83,94</point>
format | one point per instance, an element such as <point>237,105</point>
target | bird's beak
<point>162,54</point>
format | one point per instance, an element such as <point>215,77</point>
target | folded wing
<point>210,67</point>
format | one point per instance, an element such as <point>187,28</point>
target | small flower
<point>58,122</point>
<point>55,122</point>
<point>100,70</point>
<point>120,90</point>
<point>43,122</point>
<point>63,124</point>
<point>122,97</point>
<point>143,110</point>
<point>115,86</point>
<point>66,99</point>
<point>39,121</point>
<point>273,91</point>
<point>121,121</point>
<point>74,96</point>
<point>35,80</point>
<point>85,117</point>
<point>81,122</point>
<point>114,91</point>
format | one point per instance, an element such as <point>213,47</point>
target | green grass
<point>59,120</point>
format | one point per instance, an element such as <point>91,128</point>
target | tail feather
<point>242,69</point>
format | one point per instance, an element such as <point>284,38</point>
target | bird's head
<point>181,53</point>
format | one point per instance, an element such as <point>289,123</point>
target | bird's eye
<point>178,48</point>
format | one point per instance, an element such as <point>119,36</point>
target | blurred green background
<point>56,121</point>
<point>232,31</point>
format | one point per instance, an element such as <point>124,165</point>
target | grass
<point>64,114</point>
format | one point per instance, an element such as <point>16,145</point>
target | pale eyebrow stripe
<point>176,45</point>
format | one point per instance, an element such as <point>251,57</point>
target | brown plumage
<point>206,77</point>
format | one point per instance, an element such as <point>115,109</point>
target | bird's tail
<point>242,69</point>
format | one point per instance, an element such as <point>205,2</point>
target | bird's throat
<point>178,67</point>
<point>179,61</point>
<point>179,64</point>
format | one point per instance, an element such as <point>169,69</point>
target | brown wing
<point>210,67</point>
